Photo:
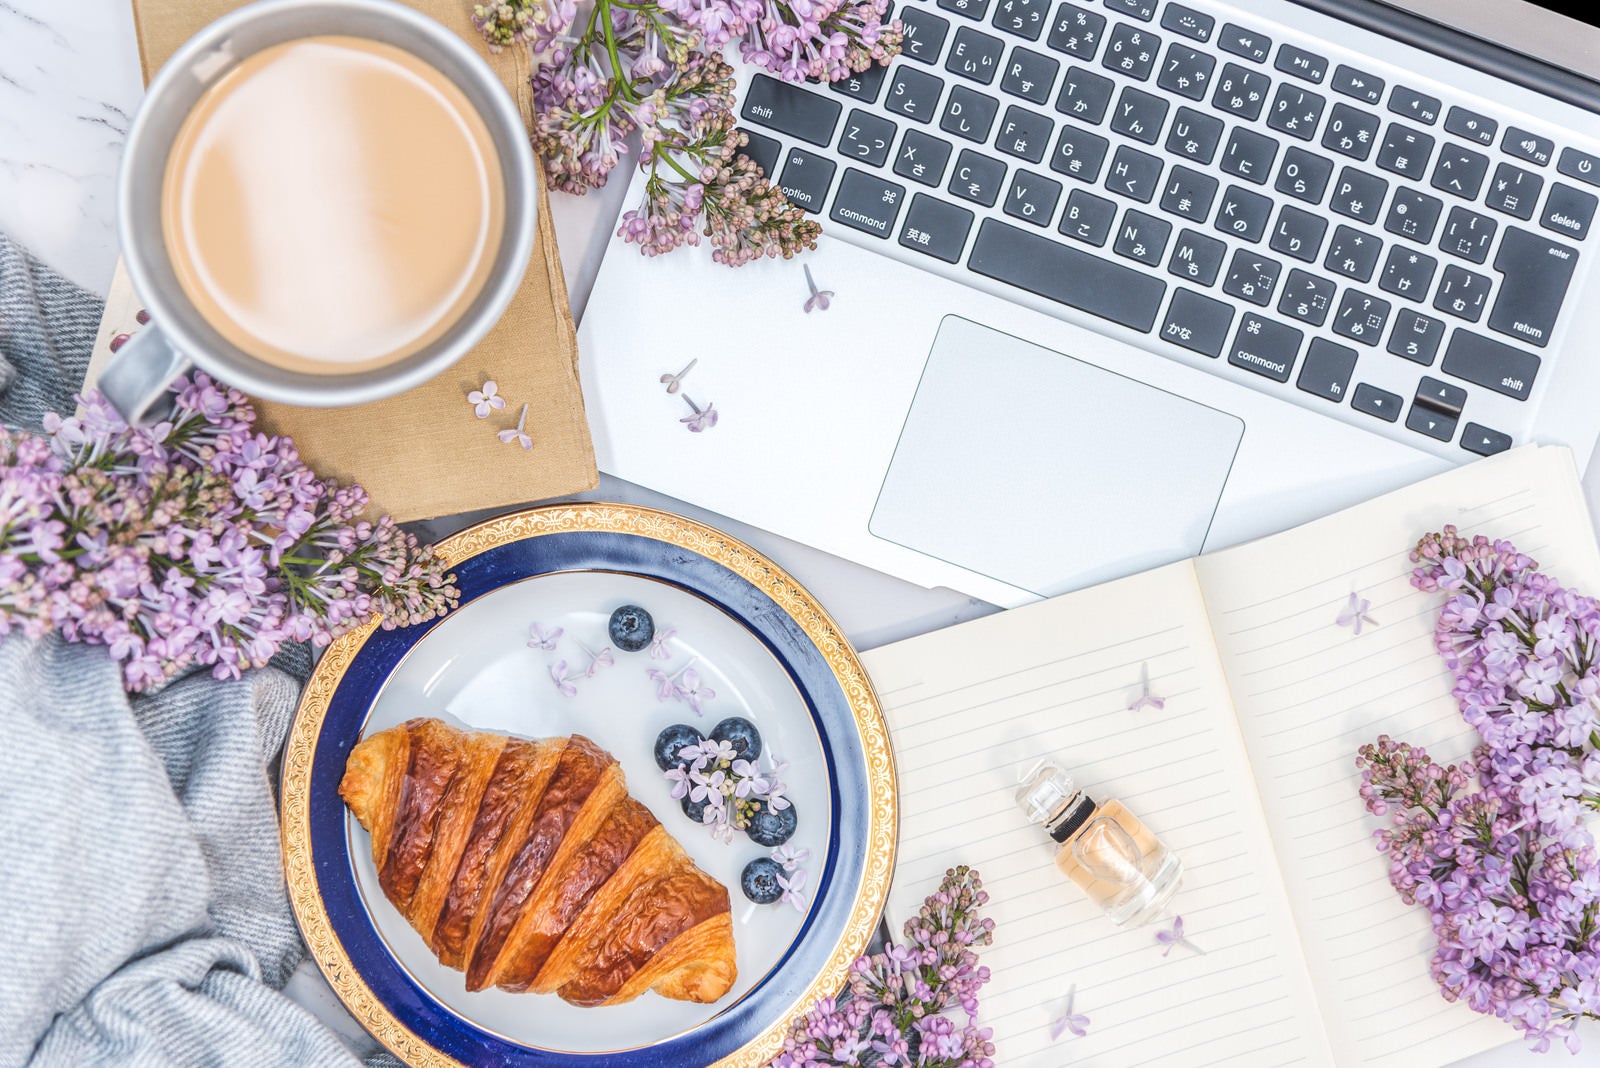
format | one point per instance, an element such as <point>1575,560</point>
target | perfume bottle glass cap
<point>1045,791</point>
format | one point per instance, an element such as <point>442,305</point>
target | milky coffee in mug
<point>332,204</point>
<point>322,202</point>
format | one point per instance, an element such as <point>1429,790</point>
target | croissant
<point>527,865</point>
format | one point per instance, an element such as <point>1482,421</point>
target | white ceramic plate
<point>476,671</point>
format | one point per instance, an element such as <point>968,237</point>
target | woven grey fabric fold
<point>143,916</point>
<point>47,329</point>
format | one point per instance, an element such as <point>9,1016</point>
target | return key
<point>1536,274</point>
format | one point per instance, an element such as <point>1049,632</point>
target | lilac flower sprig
<point>733,790</point>
<point>1525,653</point>
<point>699,186</point>
<point>821,40</point>
<point>196,541</point>
<point>899,1004</point>
<point>1497,849</point>
<point>653,66</point>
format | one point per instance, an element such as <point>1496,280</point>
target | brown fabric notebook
<point>423,454</point>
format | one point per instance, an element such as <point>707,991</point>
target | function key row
<point>1078,31</point>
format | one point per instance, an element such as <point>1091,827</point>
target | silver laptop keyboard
<point>1297,219</point>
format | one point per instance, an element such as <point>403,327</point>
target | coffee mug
<point>181,335</point>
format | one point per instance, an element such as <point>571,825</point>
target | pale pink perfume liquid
<point>1102,847</point>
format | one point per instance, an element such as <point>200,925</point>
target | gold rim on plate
<point>812,619</point>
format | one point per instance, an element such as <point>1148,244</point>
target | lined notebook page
<point>1309,693</point>
<point>971,706</point>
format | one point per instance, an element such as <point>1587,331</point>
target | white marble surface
<point>69,82</point>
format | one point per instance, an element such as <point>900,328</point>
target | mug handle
<point>136,379</point>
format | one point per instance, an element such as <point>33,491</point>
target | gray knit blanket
<point>143,916</point>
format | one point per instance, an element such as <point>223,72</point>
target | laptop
<point>1119,281</point>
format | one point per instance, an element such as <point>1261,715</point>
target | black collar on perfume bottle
<point>1073,820</point>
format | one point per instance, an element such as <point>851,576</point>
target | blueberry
<point>771,827</point>
<point>670,741</point>
<point>741,734</point>
<point>760,881</point>
<point>631,628</point>
<point>695,810</point>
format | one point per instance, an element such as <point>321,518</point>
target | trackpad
<point>1046,472</point>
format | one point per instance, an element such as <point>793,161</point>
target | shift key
<point>790,109</point>
<point>1490,364</point>
<point>1536,273</point>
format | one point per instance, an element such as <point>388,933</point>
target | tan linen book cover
<point>423,454</point>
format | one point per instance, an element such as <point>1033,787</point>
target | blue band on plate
<point>833,899</point>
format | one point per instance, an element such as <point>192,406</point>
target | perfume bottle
<point>1103,848</point>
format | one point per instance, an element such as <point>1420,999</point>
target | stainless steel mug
<point>137,377</point>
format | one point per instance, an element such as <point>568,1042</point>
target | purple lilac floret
<point>1354,613</point>
<point>1497,848</point>
<point>683,685</point>
<point>790,858</point>
<point>659,647</point>
<point>793,884</point>
<point>198,541</point>
<point>899,1007</point>
<point>542,637</point>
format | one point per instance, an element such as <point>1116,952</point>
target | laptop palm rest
<point>1046,472</point>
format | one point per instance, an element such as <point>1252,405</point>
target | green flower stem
<point>602,9</point>
<point>674,164</point>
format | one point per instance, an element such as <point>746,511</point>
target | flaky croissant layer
<point>527,865</point>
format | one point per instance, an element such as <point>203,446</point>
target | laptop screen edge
<point>1529,45</point>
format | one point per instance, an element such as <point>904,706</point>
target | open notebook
<point>1248,773</point>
